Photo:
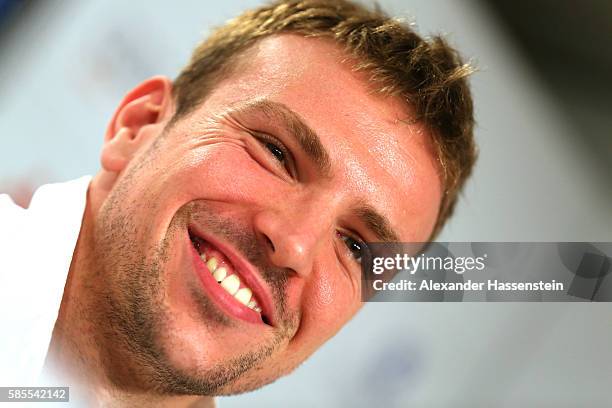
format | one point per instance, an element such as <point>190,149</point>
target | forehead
<point>378,153</point>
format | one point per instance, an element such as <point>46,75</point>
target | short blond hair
<point>428,74</point>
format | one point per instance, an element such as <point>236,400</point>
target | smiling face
<point>230,242</point>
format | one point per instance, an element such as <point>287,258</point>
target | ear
<point>141,115</point>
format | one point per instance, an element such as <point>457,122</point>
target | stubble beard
<point>133,314</point>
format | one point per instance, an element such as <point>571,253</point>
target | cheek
<point>223,172</point>
<point>330,301</point>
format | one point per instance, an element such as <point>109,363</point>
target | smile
<point>234,289</point>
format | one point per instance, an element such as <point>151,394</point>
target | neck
<point>83,352</point>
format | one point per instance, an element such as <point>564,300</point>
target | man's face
<point>290,164</point>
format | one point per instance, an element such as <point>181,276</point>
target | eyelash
<point>348,241</point>
<point>270,142</point>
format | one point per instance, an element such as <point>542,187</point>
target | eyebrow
<point>312,146</point>
<point>297,127</point>
<point>376,222</point>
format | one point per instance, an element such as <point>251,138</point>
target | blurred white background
<point>543,175</point>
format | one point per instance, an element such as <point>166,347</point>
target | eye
<point>276,151</point>
<point>356,247</point>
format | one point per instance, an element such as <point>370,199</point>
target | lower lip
<point>223,299</point>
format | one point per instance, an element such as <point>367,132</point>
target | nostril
<point>269,243</point>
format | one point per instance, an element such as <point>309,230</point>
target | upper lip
<point>247,272</point>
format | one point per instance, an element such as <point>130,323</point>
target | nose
<point>292,234</point>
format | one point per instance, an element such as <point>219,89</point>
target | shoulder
<point>36,248</point>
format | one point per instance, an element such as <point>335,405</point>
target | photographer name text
<point>468,285</point>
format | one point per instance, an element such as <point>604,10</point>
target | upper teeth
<point>211,263</point>
<point>220,274</point>
<point>243,295</point>
<point>231,283</point>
